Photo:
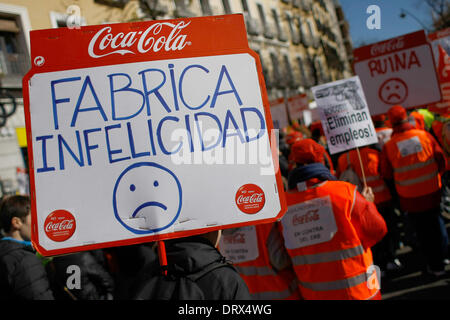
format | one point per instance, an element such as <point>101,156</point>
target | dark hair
<point>13,206</point>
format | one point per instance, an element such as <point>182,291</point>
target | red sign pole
<point>162,257</point>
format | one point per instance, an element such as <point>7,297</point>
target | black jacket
<point>22,275</point>
<point>191,255</point>
<point>95,281</point>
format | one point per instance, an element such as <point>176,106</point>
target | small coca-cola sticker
<point>250,198</point>
<point>59,225</point>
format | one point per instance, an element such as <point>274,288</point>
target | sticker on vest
<point>310,222</point>
<point>409,146</point>
<point>239,244</point>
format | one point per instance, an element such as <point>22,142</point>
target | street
<point>411,283</point>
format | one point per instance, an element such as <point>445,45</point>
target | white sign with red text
<point>399,71</point>
<point>308,223</point>
<point>279,114</point>
<point>239,245</point>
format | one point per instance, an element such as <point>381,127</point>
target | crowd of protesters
<point>402,197</point>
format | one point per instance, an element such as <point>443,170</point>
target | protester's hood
<point>190,255</point>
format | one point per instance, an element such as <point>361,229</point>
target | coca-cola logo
<point>388,46</point>
<point>310,216</point>
<point>159,36</point>
<point>250,198</point>
<point>59,225</point>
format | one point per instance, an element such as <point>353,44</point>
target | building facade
<point>301,43</point>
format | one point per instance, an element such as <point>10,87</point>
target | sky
<point>391,23</point>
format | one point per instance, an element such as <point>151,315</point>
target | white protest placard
<point>344,115</point>
<point>398,71</point>
<point>279,114</point>
<point>147,131</point>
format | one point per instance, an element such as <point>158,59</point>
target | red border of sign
<point>237,21</point>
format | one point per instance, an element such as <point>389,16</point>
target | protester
<point>125,265</point>
<point>22,275</point>
<point>384,251</point>
<point>195,255</point>
<point>337,265</point>
<point>382,130</point>
<point>414,162</point>
<point>265,266</point>
<point>417,120</point>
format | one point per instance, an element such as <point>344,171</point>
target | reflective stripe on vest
<point>336,285</point>
<point>414,166</point>
<point>274,295</point>
<point>328,256</point>
<point>372,178</point>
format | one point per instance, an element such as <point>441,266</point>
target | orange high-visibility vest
<point>411,156</point>
<point>327,254</point>
<point>263,281</point>
<point>371,160</point>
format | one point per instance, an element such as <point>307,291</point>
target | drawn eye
<point>156,183</point>
<point>132,187</point>
<point>388,87</point>
<point>396,87</point>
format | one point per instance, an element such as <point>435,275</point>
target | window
<point>206,8</point>
<point>294,34</point>
<point>289,73</point>
<point>182,10</point>
<point>268,32</point>
<point>226,6</point>
<point>277,75</point>
<point>281,35</point>
<point>113,3</point>
<point>265,71</point>
<point>13,53</point>
<point>304,81</point>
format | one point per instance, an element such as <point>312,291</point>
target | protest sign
<point>296,105</point>
<point>397,71</point>
<point>440,38</point>
<point>147,131</point>
<point>344,115</point>
<point>279,114</point>
<point>443,107</point>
